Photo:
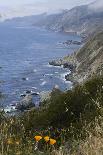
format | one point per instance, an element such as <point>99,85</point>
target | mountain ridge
<point>79,19</point>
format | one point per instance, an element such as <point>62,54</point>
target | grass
<point>73,118</point>
<point>92,145</point>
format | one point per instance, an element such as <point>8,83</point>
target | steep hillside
<point>90,57</point>
<point>86,62</point>
<point>81,19</point>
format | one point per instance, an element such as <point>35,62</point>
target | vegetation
<point>67,123</point>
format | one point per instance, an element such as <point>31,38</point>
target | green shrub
<point>65,116</point>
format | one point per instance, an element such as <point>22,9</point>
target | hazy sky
<point>15,8</point>
<point>56,3</point>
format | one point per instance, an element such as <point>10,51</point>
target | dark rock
<point>76,42</point>
<point>28,92</point>
<point>70,66</point>
<point>69,77</point>
<point>24,79</point>
<point>71,42</point>
<point>31,92</point>
<point>26,103</point>
<point>65,65</point>
<point>22,95</point>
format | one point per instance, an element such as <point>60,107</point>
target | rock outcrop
<point>26,103</point>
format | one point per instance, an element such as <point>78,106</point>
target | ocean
<point>25,53</point>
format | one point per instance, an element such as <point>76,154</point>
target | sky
<point>59,3</point>
<point>15,8</point>
<point>97,6</point>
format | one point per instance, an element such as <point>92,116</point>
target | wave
<point>35,70</point>
<point>51,66</point>
<point>34,87</point>
<point>48,74</point>
<point>43,83</point>
<point>63,77</point>
<point>24,27</point>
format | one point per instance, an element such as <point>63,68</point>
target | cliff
<point>90,58</point>
<point>86,62</point>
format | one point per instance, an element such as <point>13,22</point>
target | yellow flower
<point>52,141</point>
<point>9,141</point>
<point>37,138</point>
<point>47,138</point>
<point>17,142</point>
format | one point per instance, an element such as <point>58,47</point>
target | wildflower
<point>37,138</point>
<point>47,138</point>
<point>52,141</point>
<point>17,142</point>
<point>9,141</point>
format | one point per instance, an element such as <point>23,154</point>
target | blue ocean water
<point>25,53</point>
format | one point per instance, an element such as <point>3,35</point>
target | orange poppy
<point>37,138</point>
<point>47,138</point>
<point>52,141</point>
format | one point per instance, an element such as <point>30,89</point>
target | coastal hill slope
<point>86,62</point>
<point>90,58</point>
<point>81,19</point>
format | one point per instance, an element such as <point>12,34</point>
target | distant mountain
<point>84,19</point>
<point>26,20</point>
<point>81,19</point>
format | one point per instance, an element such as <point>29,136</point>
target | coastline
<point>64,65</point>
<point>69,62</point>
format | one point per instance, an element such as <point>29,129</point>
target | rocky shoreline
<point>26,102</point>
<point>76,76</point>
<point>69,62</point>
<point>81,65</point>
<point>71,42</point>
<point>86,63</point>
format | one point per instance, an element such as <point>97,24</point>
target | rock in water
<point>56,62</point>
<point>26,103</point>
<point>25,79</point>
